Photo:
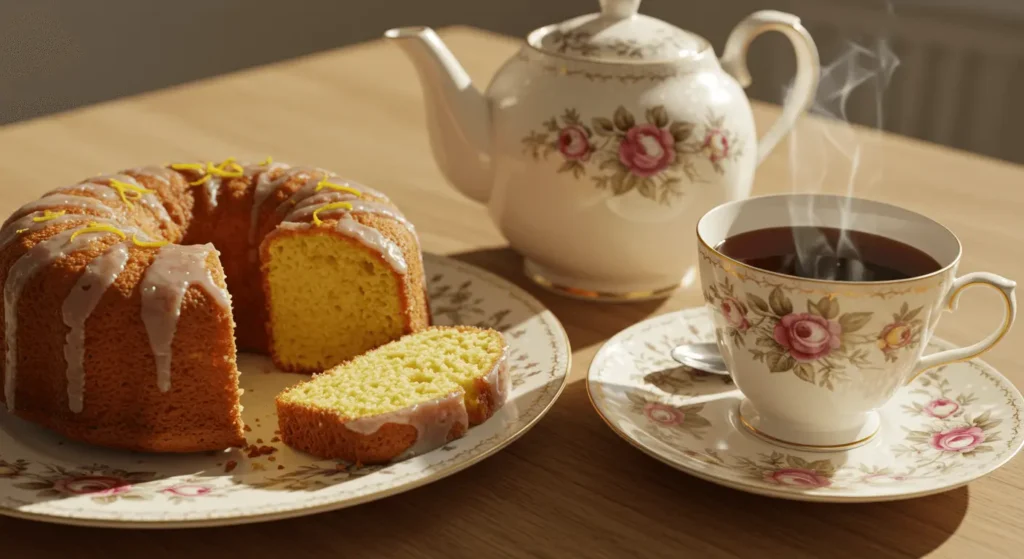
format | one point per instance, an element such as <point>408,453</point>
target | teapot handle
<point>808,68</point>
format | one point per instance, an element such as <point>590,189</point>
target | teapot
<point>604,139</point>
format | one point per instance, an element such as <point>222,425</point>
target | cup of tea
<point>823,306</point>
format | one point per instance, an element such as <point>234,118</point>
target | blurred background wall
<point>959,81</point>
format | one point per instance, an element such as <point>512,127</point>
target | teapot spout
<point>458,115</point>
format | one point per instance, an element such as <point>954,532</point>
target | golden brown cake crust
<point>324,434</point>
<point>123,406</point>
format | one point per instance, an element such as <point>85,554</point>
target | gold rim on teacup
<point>815,378</point>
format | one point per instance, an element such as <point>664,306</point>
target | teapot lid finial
<point>619,9</point>
<point>618,35</point>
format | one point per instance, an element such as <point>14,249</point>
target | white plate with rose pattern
<point>45,477</point>
<point>945,429</point>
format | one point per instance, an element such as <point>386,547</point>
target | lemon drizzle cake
<point>401,399</point>
<point>119,275</point>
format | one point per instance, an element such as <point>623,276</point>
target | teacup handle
<point>1006,288</point>
<point>808,68</point>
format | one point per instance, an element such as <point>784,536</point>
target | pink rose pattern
<point>92,485</point>
<point>959,439</point>
<point>623,154</point>
<point>647,150</point>
<point>735,314</point>
<point>663,415</point>
<point>678,420</point>
<point>574,143</point>
<point>816,345</point>
<point>806,336</point>
<point>188,490</point>
<point>941,408</point>
<point>798,477</point>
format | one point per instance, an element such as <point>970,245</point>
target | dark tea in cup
<point>828,253</point>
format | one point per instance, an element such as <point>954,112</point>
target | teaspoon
<point>703,357</point>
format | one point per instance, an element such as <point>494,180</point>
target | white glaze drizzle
<point>175,268</point>
<point>499,381</point>
<point>368,236</point>
<point>309,190</point>
<point>305,209</point>
<point>27,224</point>
<point>265,186</point>
<point>42,254</point>
<point>98,275</point>
<point>158,172</point>
<point>52,201</point>
<point>100,188</point>
<point>433,421</point>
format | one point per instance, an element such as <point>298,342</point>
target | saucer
<point>947,428</point>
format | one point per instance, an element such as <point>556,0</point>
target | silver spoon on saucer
<point>703,357</point>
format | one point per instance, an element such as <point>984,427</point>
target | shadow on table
<point>586,322</point>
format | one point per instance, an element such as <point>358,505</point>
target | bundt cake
<point>125,295</point>
<point>404,398</point>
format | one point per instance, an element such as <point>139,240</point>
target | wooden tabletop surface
<point>570,487</point>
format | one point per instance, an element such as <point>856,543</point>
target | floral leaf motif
<point>851,322</point>
<point>603,126</point>
<point>646,188</point>
<point>672,381</point>
<point>33,485</point>
<point>623,119</point>
<point>670,188</point>
<point>757,302</point>
<point>804,372</point>
<point>618,182</point>
<point>779,362</point>
<point>826,307</point>
<point>681,131</point>
<point>823,466</point>
<point>571,117</point>
<point>779,303</point>
<point>612,163</point>
<point>657,116</point>
<point>797,462</point>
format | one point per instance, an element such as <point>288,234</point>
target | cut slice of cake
<point>404,398</point>
<point>339,286</point>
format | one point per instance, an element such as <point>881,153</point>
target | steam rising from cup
<point>827,141</point>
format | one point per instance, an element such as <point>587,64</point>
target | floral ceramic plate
<point>947,428</point>
<point>44,477</point>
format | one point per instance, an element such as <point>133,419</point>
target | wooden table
<point>570,487</point>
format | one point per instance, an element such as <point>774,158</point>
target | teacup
<point>815,359</point>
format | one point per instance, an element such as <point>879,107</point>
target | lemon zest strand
<point>94,227</point>
<point>20,231</point>
<point>147,244</point>
<point>47,216</point>
<point>339,187</point>
<point>124,189</point>
<point>327,207</point>
<point>208,170</point>
<point>267,162</point>
<point>230,162</point>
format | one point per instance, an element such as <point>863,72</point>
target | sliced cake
<point>404,398</point>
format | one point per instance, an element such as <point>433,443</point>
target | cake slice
<point>404,398</point>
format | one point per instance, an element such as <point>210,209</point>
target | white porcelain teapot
<point>599,145</point>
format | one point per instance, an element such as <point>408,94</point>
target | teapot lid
<point>618,34</point>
